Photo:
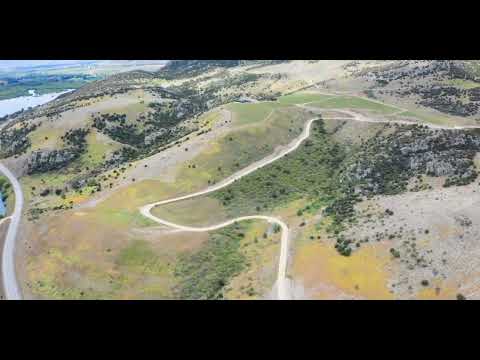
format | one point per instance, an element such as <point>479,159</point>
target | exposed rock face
<point>447,99</point>
<point>440,153</point>
<point>407,69</point>
<point>426,81</point>
<point>42,161</point>
<point>14,141</point>
<point>386,163</point>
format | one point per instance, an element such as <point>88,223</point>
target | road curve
<point>282,286</point>
<point>247,170</point>
<point>354,116</point>
<point>11,288</point>
<point>283,291</point>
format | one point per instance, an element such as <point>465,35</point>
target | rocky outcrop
<point>43,161</point>
<point>386,163</point>
<point>447,99</point>
<point>14,140</point>
<point>427,82</point>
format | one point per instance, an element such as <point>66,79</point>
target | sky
<point>9,64</point>
<point>24,63</point>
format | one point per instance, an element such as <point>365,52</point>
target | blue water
<point>2,206</point>
<point>9,106</point>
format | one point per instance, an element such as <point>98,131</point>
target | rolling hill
<point>379,200</point>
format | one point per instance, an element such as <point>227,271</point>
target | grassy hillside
<point>190,68</point>
<point>90,159</point>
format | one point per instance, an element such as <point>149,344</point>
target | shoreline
<point>13,105</point>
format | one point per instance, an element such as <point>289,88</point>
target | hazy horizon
<point>31,63</point>
<point>12,64</point>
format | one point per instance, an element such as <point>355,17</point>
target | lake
<point>9,106</point>
<point>3,210</point>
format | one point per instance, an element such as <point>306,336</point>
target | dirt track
<point>283,291</point>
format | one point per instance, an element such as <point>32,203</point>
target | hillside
<point>379,199</point>
<point>189,68</point>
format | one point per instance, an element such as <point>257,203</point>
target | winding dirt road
<point>352,115</point>
<point>282,285</point>
<point>283,291</point>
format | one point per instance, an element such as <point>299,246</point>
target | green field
<point>302,98</point>
<point>438,119</point>
<point>252,112</point>
<point>351,102</point>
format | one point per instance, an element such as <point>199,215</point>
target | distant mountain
<point>131,62</point>
<point>8,65</point>
<point>20,64</point>
<point>185,68</point>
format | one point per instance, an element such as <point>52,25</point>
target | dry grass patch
<point>192,212</point>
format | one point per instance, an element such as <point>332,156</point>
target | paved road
<point>11,289</point>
